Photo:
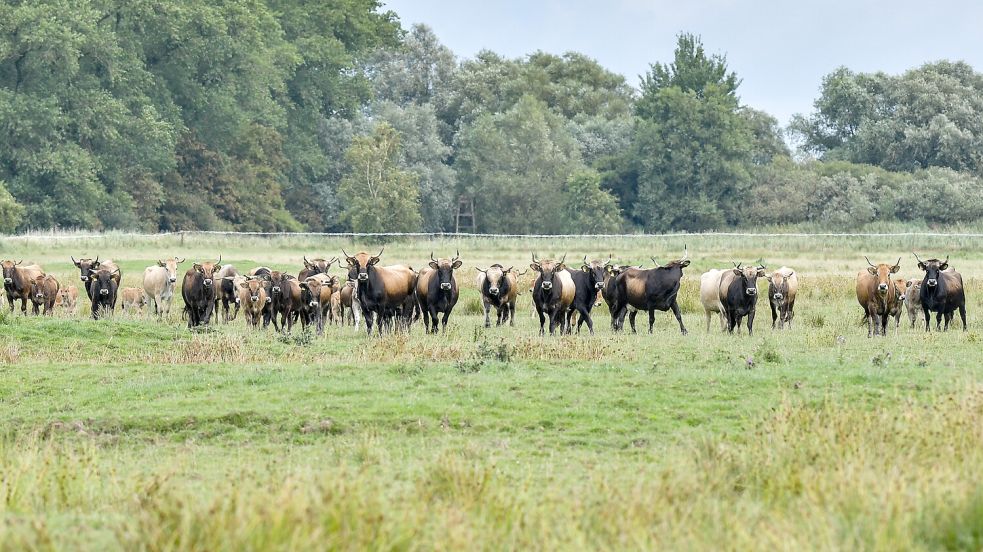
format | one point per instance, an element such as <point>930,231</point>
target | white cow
<point>710,295</point>
<point>158,284</point>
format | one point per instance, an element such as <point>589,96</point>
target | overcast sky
<point>781,49</point>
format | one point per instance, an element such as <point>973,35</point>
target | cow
<point>199,291</point>
<point>552,293</point>
<point>783,284</point>
<point>739,295</point>
<point>316,292</point>
<point>876,296</point>
<point>316,266</point>
<point>17,282</point>
<point>86,266</point>
<point>348,299</point>
<point>285,295</point>
<point>227,293</point>
<point>253,299</point>
<point>67,298</point>
<point>913,299</point>
<point>710,296</point>
<point>382,292</point>
<point>436,291</point>
<point>608,290</point>
<point>941,292</point>
<point>158,284</point>
<point>44,291</point>
<point>587,282</point>
<point>499,287</point>
<point>103,287</point>
<point>649,290</point>
<point>265,273</point>
<point>133,300</point>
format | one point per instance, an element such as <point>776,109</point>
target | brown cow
<point>17,282</point>
<point>783,285</point>
<point>316,266</point>
<point>44,291</point>
<point>553,293</point>
<point>876,296</point>
<point>913,299</point>
<point>134,300</point>
<point>436,291</point>
<point>87,268</point>
<point>383,293</point>
<point>67,298</point>
<point>199,291</point>
<point>285,293</point>
<point>253,300</point>
<point>499,287</point>
<point>348,299</point>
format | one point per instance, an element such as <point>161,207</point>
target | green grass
<point>131,433</point>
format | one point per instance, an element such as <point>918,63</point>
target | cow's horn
<point>534,258</point>
<point>345,253</point>
<point>685,253</point>
<point>657,265</point>
<point>179,261</point>
<point>737,265</point>
<point>870,263</point>
<point>916,256</point>
<point>431,257</point>
<point>898,263</point>
<point>480,269</point>
<point>306,262</point>
<point>563,258</point>
<point>74,262</point>
<point>457,255</point>
<point>380,252</point>
<point>946,261</point>
<point>219,261</point>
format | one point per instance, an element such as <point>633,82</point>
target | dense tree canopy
<point>295,114</point>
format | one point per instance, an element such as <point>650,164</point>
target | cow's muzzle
<point>208,282</point>
<point>751,291</point>
<point>269,299</point>
<point>778,296</point>
<point>445,285</point>
<point>363,276</point>
<point>254,299</point>
<point>84,278</point>
<point>312,304</point>
<point>547,285</point>
<point>599,285</point>
<point>275,289</point>
<point>932,283</point>
<point>882,288</point>
<point>8,281</point>
<point>172,280</point>
<point>492,291</point>
<point>103,292</point>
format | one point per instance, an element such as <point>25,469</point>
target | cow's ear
<point>373,261</point>
<point>585,268</point>
<point>768,278</point>
<point>895,268</point>
<point>943,266</point>
<point>684,264</point>
<point>535,266</point>
<point>434,265</point>
<point>737,271</point>
<point>561,266</point>
<point>216,268</point>
<point>244,285</point>
<point>872,270</point>
<point>160,263</point>
<point>761,272</point>
<point>196,267</point>
<point>921,265</point>
<point>457,264</point>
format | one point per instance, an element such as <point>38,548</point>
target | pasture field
<point>136,434</point>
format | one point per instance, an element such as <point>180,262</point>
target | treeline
<point>291,115</point>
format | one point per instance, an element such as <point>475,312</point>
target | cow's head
<point>319,266</point>
<point>63,296</point>
<point>278,281</point>
<point>932,268</point>
<point>256,288</point>
<point>86,266</point>
<point>310,292</point>
<point>547,270</point>
<point>37,287</point>
<point>361,265</point>
<point>101,281</point>
<point>496,279</point>
<point>8,270</point>
<point>778,287</point>
<point>171,266</point>
<point>748,276</point>
<point>883,274</point>
<point>208,270</point>
<point>595,271</point>
<point>675,266</point>
<point>914,285</point>
<point>445,270</point>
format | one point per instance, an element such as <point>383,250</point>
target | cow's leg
<point>443,321</point>
<point>368,322</point>
<point>775,316</point>
<point>433,319</point>
<point>631,320</point>
<point>23,306</point>
<point>750,321</point>
<point>709,316</point>
<point>938,321</point>
<point>651,319</point>
<point>962,315</point>
<point>487,307</point>
<point>209,309</point>
<point>679,317</point>
<point>542,319</point>
<point>928,319</point>
<point>948,319</point>
<point>10,303</point>
<point>426,319</point>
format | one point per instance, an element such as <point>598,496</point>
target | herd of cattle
<point>395,296</point>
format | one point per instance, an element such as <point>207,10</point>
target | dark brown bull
<point>44,292</point>
<point>87,266</point>
<point>552,293</point>
<point>877,296</point>
<point>383,293</point>
<point>199,292</point>
<point>285,295</point>
<point>941,292</point>
<point>649,290</point>
<point>103,288</point>
<point>499,287</point>
<point>436,290</point>
<point>17,282</point>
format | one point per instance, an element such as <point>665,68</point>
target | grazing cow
<point>783,284</point>
<point>553,293</point>
<point>254,300</point>
<point>875,295</point>
<point>199,291</point>
<point>86,266</point>
<point>436,290</point>
<point>158,284</point>
<point>499,287</point>
<point>739,295</point>
<point>134,300</point>
<point>103,287</point>
<point>710,296</point>
<point>285,295</point>
<point>227,292</point>
<point>382,292</point>
<point>587,282</point>
<point>67,298</point>
<point>316,266</point>
<point>44,291</point>
<point>17,282</point>
<point>649,290</point>
<point>942,292</point>
<point>913,299</point>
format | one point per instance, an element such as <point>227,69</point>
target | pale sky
<point>781,49</point>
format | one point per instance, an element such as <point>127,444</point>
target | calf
<point>650,290</point>
<point>253,299</point>
<point>158,284</point>
<point>198,290</point>
<point>499,287</point>
<point>67,298</point>
<point>876,296</point>
<point>348,299</point>
<point>103,287</point>
<point>913,299</point>
<point>783,284</point>
<point>739,295</point>
<point>941,292</point>
<point>86,266</point>
<point>44,291</point>
<point>382,292</point>
<point>587,282</point>
<point>552,293</point>
<point>17,282</point>
<point>134,300</point>
<point>436,291</point>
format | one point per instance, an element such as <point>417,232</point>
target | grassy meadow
<point>136,434</point>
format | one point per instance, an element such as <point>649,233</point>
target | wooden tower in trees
<point>465,216</point>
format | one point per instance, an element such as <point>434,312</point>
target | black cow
<point>285,295</point>
<point>587,282</point>
<point>942,292</point>
<point>552,293</point>
<point>739,295</point>
<point>436,291</point>
<point>199,291</point>
<point>648,290</point>
<point>102,289</point>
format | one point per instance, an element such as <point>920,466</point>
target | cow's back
<point>727,279</point>
<point>154,280</point>
<point>423,282</point>
<point>865,287</point>
<point>710,289</point>
<point>399,281</point>
<point>568,289</point>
